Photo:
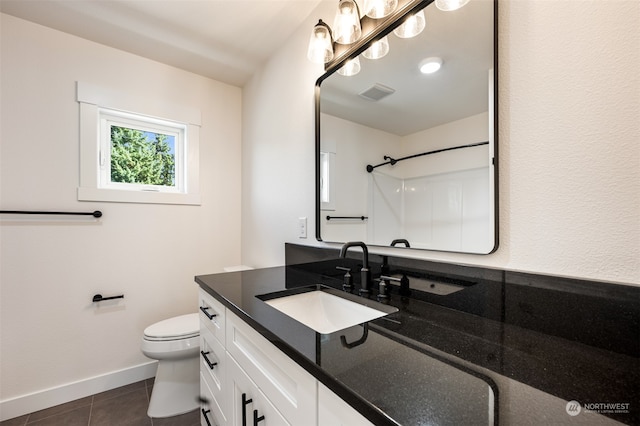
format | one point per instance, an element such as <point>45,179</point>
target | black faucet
<point>365,274</point>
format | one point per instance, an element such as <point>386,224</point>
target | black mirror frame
<point>377,30</point>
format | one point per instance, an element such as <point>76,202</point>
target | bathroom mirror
<point>430,140</point>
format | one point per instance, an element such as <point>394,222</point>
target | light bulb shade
<point>346,26</point>
<point>379,8</point>
<point>352,67</point>
<point>449,5</point>
<point>412,26</point>
<point>378,49</point>
<point>320,44</point>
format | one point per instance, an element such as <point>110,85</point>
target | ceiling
<point>226,40</point>
<point>463,39</point>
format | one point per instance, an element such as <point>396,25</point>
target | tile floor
<point>124,406</point>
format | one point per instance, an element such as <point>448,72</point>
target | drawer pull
<point>204,309</point>
<point>206,418</point>
<point>245,402</point>
<point>206,358</point>
<point>257,419</point>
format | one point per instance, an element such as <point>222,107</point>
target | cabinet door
<point>287,385</point>
<point>249,406</point>
<point>333,411</point>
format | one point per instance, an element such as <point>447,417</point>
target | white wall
<point>356,146</point>
<point>51,333</point>
<point>569,110</point>
<point>278,152</point>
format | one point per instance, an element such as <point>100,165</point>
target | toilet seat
<point>176,328</point>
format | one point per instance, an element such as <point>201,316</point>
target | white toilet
<point>175,343</point>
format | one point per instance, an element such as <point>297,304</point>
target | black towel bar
<point>348,217</point>
<point>96,213</point>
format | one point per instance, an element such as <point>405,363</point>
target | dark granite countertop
<point>428,362</point>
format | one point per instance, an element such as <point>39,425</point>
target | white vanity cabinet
<point>242,373</point>
<point>283,382</point>
<point>247,381</point>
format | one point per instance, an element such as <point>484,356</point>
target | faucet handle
<point>347,283</point>
<point>387,278</point>
<point>383,287</point>
<point>404,284</point>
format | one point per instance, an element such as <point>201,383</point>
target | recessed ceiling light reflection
<point>430,65</point>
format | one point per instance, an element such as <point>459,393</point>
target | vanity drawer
<point>287,385</point>
<point>210,412</point>
<point>212,314</point>
<point>214,369</point>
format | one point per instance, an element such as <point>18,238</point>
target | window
<point>140,153</point>
<point>136,157</point>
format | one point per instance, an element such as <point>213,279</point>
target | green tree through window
<point>142,157</point>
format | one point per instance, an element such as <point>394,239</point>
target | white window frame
<point>99,108</point>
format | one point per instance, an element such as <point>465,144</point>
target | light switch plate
<point>302,227</point>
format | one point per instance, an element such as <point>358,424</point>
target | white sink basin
<point>325,312</point>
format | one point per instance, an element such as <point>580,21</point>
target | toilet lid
<point>181,327</point>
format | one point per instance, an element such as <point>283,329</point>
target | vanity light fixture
<point>320,44</point>
<point>378,49</point>
<point>430,65</point>
<point>412,26</point>
<point>449,5</point>
<point>352,67</point>
<point>346,25</point>
<point>379,8</point>
<point>347,29</point>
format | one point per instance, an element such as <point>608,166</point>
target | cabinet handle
<point>209,363</point>
<point>204,309</point>
<point>206,418</point>
<point>257,419</point>
<point>245,402</point>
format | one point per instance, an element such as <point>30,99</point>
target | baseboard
<point>40,400</point>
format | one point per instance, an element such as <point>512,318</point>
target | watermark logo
<point>607,407</point>
<point>573,408</point>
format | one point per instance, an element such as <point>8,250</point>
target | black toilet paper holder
<point>99,298</point>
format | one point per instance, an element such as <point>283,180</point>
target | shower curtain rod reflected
<point>393,161</point>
